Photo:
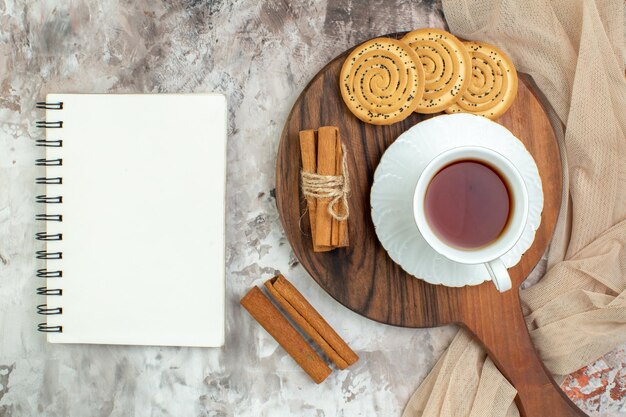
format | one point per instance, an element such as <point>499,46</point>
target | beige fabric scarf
<point>574,50</point>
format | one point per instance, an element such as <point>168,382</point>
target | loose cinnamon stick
<point>326,155</point>
<point>342,226</point>
<point>302,322</point>
<point>308,150</point>
<point>268,316</point>
<point>316,327</point>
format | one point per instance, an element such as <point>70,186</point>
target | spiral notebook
<point>132,219</point>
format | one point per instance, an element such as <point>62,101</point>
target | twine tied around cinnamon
<point>335,187</point>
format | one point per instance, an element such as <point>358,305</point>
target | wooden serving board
<point>364,278</point>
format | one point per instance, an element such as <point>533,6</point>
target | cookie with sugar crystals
<point>493,85</point>
<point>447,67</point>
<point>381,81</point>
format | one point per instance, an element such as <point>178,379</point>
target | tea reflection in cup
<point>471,206</point>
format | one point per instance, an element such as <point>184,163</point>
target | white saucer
<point>394,184</point>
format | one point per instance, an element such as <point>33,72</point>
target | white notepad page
<point>143,219</point>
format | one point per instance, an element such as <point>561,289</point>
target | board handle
<point>510,347</point>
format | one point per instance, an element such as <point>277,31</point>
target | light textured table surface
<point>260,55</point>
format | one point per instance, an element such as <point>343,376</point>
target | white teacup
<point>490,254</point>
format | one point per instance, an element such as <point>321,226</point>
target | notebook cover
<point>143,219</point>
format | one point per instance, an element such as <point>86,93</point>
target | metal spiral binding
<point>49,217</point>
<point>49,143</point>
<point>49,200</point>
<point>49,291</point>
<point>48,237</point>
<point>44,235</point>
<point>43,327</point>
<point>42,124</point>
<point>44,254</point>
<point>51,181</point>
<point>44,310</point>
<point>43,162</point>
<point>44,273</point>
<point>49,106</point>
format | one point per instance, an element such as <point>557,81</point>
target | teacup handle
<point>499,275</point>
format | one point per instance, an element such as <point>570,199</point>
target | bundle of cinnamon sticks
<point>323,154</point>
<point>307,318</point>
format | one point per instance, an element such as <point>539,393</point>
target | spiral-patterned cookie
<point>493,85</point>
<point>446,65</point>
<point>381,81</point>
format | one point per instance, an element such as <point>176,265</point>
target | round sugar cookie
<point>447,67</point>
<point>493,85</point>
<point>381,81</point>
